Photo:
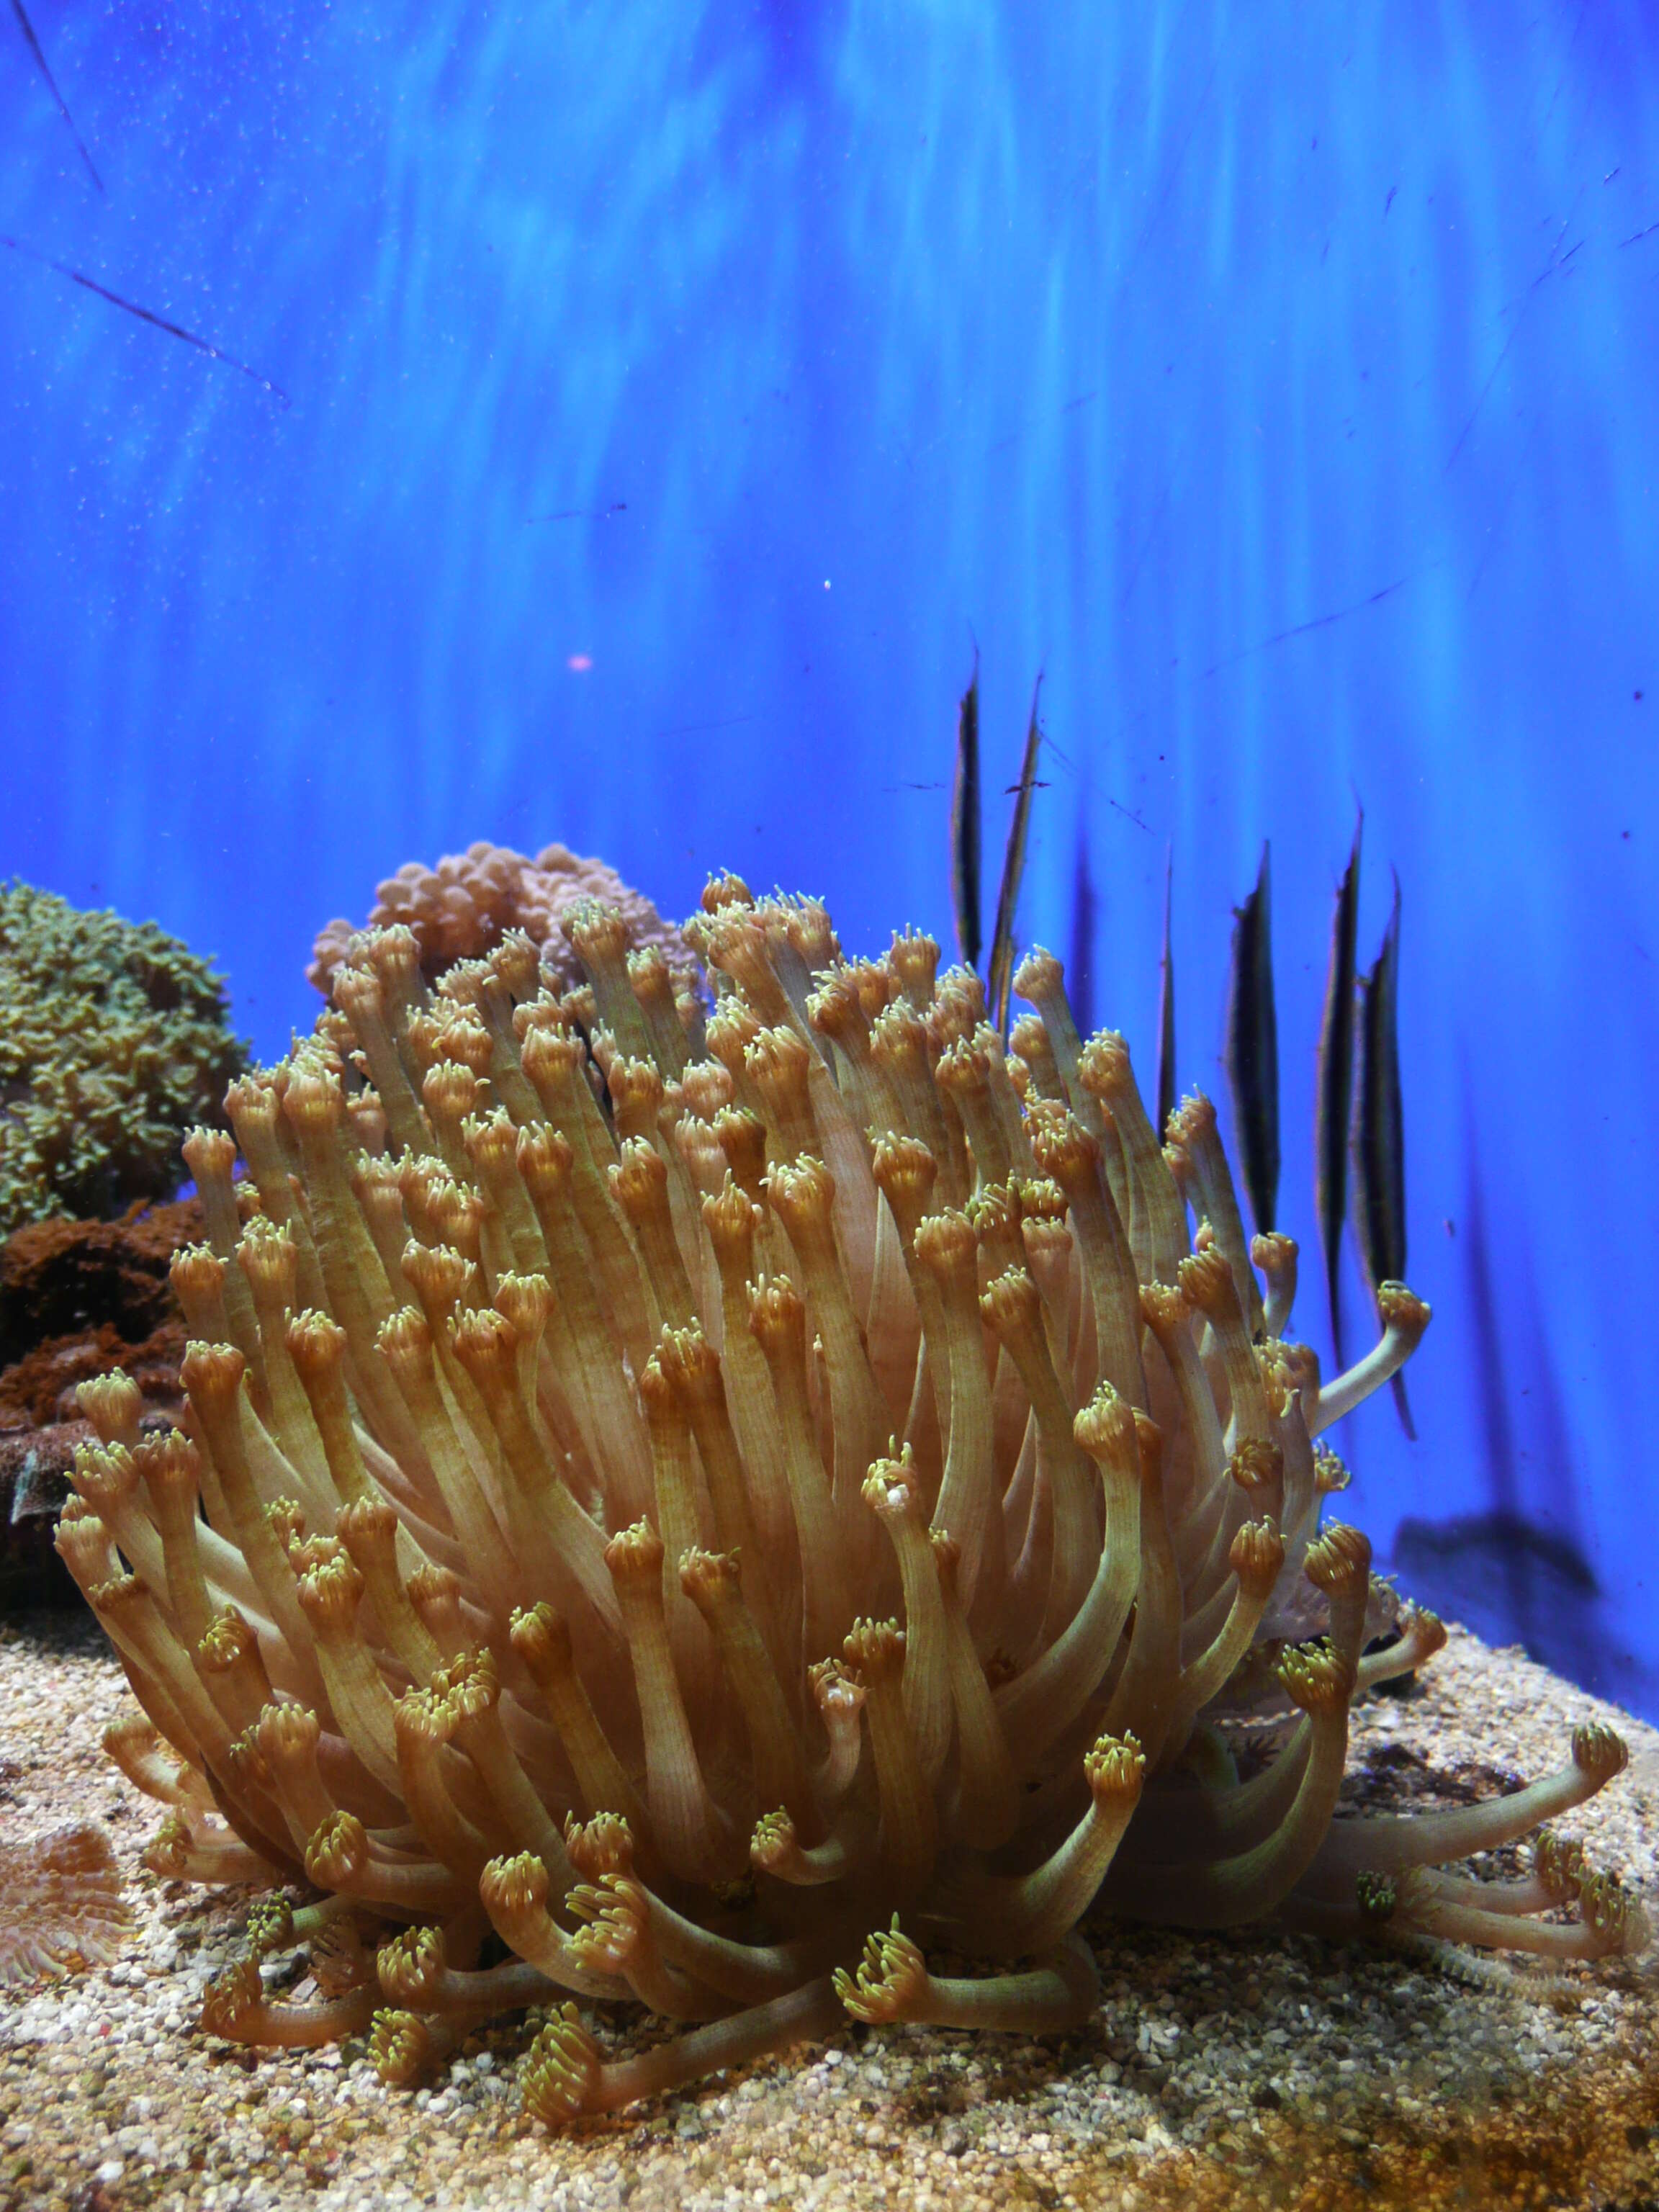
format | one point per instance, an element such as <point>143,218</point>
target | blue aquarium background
<point>644,411</point>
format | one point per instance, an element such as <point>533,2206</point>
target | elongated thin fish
<point>1013,869</point>
<point>1080,953</point>
<point>45,68</point>
<point>1166,1031</point>
<point>1379,1132</point>
<point>1253,1046</point>
<point>1335,1102</point>
<point>965,823</point>
<point>145,315</point>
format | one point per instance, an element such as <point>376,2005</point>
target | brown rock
<point>77,1298</point>
<point>39,1389</point>
<point>63,1278</point>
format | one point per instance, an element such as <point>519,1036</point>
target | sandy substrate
<point>1262,2069</point>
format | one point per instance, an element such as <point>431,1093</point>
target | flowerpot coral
<point>716,1512</point>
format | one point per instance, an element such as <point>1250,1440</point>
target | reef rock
<point>76,1299</point>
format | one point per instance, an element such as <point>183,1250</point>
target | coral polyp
<point>709,1507</point>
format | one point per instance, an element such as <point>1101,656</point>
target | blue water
<point>1278,381</point>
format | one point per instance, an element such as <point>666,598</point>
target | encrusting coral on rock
<point>471,901</point>
<point>710,1512</point>
<point>103,1284</point>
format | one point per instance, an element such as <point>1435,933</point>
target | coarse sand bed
<point>1259,2069</point>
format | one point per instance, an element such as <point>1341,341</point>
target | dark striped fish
<point>1166,1034</point>
<point>1080,955</point>
<point>965,823</point>
<point>145,315</point>
<point>1335,1100</point>
<point>1379,1133</point>
<point>1001,976</point>
<point>1253,1046</point>
<point>38,54</point>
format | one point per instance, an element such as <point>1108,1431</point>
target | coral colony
<point>711,1507</point>
<point>112,1040</point>
<point>466,904</point>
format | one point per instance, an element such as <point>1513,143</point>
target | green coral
<point>112,1044</point>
